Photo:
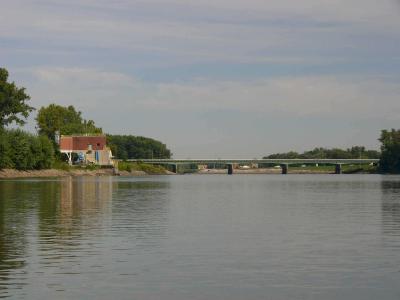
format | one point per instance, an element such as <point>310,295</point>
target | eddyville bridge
<point>229,163</point>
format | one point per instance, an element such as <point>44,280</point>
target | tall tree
<point>66,120</point>
<point>13,106</point>
<point>390,148</point>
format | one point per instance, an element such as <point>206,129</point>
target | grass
<point>147,168</point>
<point>61,165</point>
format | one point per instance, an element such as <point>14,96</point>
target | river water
<point>201,237</point>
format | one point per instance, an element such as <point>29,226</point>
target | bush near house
<point>24,151</point>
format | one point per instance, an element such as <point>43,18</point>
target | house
<point>88,149</point>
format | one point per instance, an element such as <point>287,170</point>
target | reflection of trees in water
<point>391,206</point>
<point>63,210</point>
<point>69,215</point>
<point>17,202</point>
<point>140,209</point>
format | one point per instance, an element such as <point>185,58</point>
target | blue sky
<point>213,78</point>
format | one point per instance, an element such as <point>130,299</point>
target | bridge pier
<point>230,169</point>
<point>338,169</point>
<point>285,168</point>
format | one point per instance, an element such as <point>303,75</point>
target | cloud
<point>79,77</point>
<point>347,96</point>
<point>188,32</point>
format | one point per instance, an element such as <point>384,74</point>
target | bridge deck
<point>256,161</point>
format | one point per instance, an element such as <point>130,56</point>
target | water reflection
<point>210,237</point>
<point>391,206</point>
<point>17,201</point>
<point>78,208</point>
<point>52,215</point>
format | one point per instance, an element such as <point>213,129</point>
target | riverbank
<point>12,173</point>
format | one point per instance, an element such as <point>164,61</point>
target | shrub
<point>25,151</point>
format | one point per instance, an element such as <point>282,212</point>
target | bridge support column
<point>230,169</point>
<point>175,168</point>
<point>338,169</point>
<point>285,168</point>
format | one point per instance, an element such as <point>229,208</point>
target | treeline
<point>324,153</point>
<point>24,151</point>
<point>137,147</point>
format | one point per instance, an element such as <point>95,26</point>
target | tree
<point>13,106</point>
<point>66,120</point>
<point>137,147</point>
<point>390,148</point>
<point>25,151</point>
<point>323,153</point>
<point>5,151</point>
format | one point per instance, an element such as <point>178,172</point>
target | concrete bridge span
<point>229,163</point>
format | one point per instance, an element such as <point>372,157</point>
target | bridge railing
<point>255,161</point>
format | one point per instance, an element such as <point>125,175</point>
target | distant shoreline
<point>15,174</point>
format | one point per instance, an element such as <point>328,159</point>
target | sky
<point>213,79</point>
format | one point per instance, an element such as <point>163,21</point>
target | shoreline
<point>15,174</point>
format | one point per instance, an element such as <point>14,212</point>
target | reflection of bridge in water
<point>229,163</point>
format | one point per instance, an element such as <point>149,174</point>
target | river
<point>201,237</point>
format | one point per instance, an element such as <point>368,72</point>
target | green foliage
<point>390,158</point>
<point>151,169</point>
<point>125,166</point>
<point>137,147</point>
<point>147,168</point>
<point>5,151</point>
<point>46,155</point>
<point>61,165</point>
<point>66,120</point>
<point>25,151</point>
<point>90,167</point>
<point>323,153</point>
<point>13,107</point>
<point>20,149</point>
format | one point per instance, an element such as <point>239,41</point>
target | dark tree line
<point>137,147</point>
<point>390,148</point>
<point>324,153</point>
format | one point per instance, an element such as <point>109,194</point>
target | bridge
<point>229,163</point>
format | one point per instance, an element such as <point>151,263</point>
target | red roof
<point>82,143</point>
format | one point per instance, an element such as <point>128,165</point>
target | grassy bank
<point>146,168</point>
